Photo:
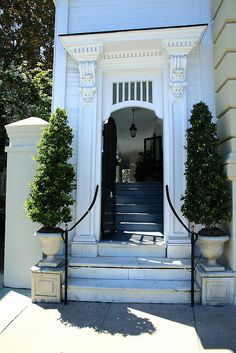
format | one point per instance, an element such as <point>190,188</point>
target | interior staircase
<point>139,208</point>
<point>131,265</point>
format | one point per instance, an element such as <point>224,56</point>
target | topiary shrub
<point>206,200</point>
<point>50,196</point>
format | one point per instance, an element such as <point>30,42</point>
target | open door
<point>108,221</point>
<point>153,157</point>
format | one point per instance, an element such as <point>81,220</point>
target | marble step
<point>129,268</point>
<point>131,291</point>
<point>120,249</point>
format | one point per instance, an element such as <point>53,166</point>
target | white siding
<point>108,15</point>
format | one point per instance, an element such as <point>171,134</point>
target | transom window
<point>133,90</point>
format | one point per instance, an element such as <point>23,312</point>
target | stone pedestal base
<point>55,262</point>
<point>212,268</point>
<point>47,284</point>
<point>217,287</point>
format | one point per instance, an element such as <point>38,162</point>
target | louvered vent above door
<point>132,91</point>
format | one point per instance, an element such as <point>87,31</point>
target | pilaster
<point>87,57</point>
<point>177,51</point>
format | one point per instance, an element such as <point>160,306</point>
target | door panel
<point>108,220</point>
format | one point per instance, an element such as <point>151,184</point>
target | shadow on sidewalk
<point>109,318</point>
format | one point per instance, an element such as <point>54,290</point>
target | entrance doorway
<point>132,177</point>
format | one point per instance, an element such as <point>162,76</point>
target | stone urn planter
<point>51,243</point>
<point>212,248</point>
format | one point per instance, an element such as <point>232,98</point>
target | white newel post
<point>177,50</point>
<point>87,58</point>
<point>22,250</point>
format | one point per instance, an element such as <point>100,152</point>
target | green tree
<point>24,92</point>
<point>206,200</point>
<point>50,197</point>
<point>26,32</point>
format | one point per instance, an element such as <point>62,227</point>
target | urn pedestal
<point>212,248</point>
<point>51,243</point>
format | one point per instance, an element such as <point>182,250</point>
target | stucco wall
<point>224,33</point>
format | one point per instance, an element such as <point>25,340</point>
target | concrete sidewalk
<point>110,327</point>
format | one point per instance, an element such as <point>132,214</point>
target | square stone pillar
<point>22,250</point>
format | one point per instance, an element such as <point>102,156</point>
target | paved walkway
<point>109,327</point>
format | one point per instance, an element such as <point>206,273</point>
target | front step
<point>131,291</point>
<point>141,193</point>
<point>132,208</point>
<point>139,200</point>
<point>140,186</point>
<point>129,268</point>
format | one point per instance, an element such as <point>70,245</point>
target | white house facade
<point>90,59</point>
<point>118,62</point>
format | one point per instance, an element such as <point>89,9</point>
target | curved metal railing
<point>65,239</point>
<point>193,237</point>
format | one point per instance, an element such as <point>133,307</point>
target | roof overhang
<point>172,39</point>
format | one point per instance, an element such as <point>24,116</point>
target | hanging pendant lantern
<point>133,130</point>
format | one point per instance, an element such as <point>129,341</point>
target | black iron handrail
<point>65,239</point>
<point>193,237</point>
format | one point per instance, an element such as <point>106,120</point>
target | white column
<point>177,50</point>
<point>22,250</point>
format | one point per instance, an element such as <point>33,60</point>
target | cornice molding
<point>88,52</point>
<point>132,54</point>
<point>181,46</point>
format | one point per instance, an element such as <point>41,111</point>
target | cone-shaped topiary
<point>206,200</point>
<point>50,196</point>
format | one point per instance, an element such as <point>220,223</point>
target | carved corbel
<point>87,80</point>
<point>86,56</point>
<point>178,50</point>
<point>178,74</point>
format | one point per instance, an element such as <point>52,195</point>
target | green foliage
<point>50,197</point>
<point>26,32</point>
<point>24,92</point>
<point>206,200</point>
